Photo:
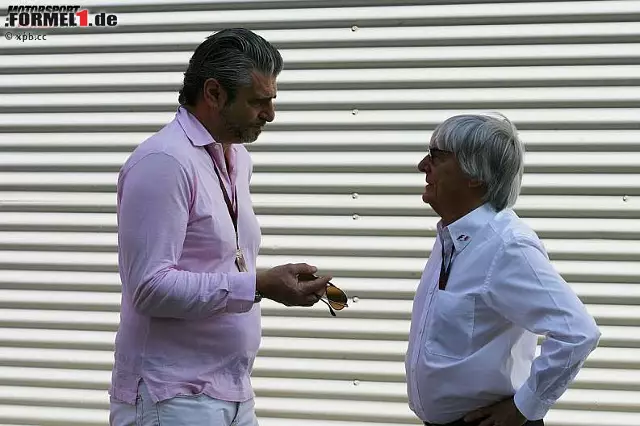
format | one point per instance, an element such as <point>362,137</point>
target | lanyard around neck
<point>240,261</point>
<point>445,270</point>
<point>232,212</point>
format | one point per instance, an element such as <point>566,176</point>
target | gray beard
<point>243,135</point>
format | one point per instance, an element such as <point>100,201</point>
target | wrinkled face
<point>446,184</point>
<point>244,118</point>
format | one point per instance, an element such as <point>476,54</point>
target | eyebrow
<point>264,97</point>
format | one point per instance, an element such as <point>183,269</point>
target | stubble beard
<point>243,134</point>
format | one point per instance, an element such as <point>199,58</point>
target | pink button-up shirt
<point>188,323</point>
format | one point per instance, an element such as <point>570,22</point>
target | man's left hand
<point>503,413</point>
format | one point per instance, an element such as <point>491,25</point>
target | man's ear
<point>474,183</point>
<point>214,94</point>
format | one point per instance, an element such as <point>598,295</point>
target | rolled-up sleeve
<point>524,287</point>
<point>154,196</point>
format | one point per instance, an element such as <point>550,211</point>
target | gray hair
<point>487,149</point>
<point>229,56</point>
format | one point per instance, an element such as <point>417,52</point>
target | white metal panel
<point>363,36</point>
<point>362,57</point>
<point>335,184</point>
<point>571,118</point>
<point>312,100</point>
<point>565,76</point>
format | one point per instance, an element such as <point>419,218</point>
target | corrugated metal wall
<point>335,184</point>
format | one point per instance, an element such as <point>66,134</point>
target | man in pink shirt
<point>188,241</point>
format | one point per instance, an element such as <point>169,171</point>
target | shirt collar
<point>200,137</point>
<point>193,128</point>
<point>464,229</point>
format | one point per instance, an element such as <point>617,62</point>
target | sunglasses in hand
<point>335,298</point>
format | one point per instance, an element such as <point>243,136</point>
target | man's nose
<point>422,166</point>
<point>268,114</point>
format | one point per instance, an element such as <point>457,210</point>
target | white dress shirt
<point>473,343</point>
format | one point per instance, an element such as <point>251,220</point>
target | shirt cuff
<point>530,405</point>
<point>242,292</point>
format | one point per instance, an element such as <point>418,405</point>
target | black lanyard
<point>444,271</point>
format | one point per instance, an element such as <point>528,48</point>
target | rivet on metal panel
<point>354,112</point>
<point>354,28</point>
<point>355,217</point>
<point>356,382</point>
<point>356,299</point>
<point>355,195</point>
<point>625,198</point>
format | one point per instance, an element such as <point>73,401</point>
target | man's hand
<point>283,285</point>
<point>503,413</point>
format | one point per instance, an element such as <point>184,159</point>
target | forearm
<point>552,372</point>
<point>190,295</point>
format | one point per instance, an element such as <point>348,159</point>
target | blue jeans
<point>181,411</point>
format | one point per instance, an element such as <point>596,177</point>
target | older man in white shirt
<point>487,291</point>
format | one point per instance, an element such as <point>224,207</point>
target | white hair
<point>487,149</point>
